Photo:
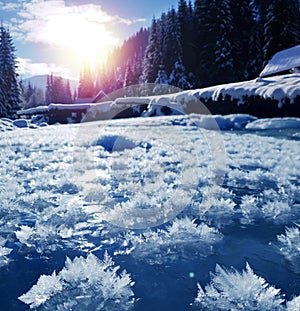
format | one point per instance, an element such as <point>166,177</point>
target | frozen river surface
<point>150,214</point>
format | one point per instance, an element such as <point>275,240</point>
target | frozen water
<point>168,198</point>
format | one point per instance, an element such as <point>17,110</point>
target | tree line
<point>204,43</point>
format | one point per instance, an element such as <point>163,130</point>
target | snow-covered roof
<point>282,61</point>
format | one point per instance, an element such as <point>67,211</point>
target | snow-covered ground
<point>165,213</point>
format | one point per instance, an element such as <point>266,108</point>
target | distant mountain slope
<point>41,82</point>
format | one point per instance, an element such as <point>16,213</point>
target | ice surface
<point>172,202</point>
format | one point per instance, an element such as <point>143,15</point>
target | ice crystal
<point>183,238</point>
<point>4,251</point>
<point>85,284</point>
<point>289,244</point>
<point>231,290</point>
<point>294,304</point>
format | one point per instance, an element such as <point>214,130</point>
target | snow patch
<point>274,123</point>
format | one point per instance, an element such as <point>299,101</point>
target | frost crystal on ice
<point>85,284</point>
<point>290,246</point>
<point>231,290</point>
<point>294,304</point>
<point>46,286</point>
<point>183,238</point>
<point>4,251</point>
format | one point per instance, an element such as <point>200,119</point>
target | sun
<point>82,34</point>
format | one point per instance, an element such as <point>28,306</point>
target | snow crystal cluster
<point>183,238</point>
<point>231,290</point>
<point>83,284</point>
<point>289,244</point>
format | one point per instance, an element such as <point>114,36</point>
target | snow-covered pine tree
<point>152,55</point>
<point>86,88</point>
<point>215,26</point>
<point>172,48</point>
<point>10,91</point>
<point>129,76</point>
<point>223,51</point>
<point>243,29</point>
<point>58,91</point>
<point>256,57</point>
<point>28,92</point>
<point>49,90</point>
<point>68,97</point>
<point>182,20</point>
<point>282,26</point>
<point>178,76</point>
<point>36,99</point>
<point>162,77</point>
<point>205,41</point>
<point>186,24</point>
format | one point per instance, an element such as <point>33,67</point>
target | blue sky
<point>58,36</point>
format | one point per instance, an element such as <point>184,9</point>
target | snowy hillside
<point>151,214</point>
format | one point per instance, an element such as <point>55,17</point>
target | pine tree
<point>29,92</point>
<point>58,91</point>
<point>49,89</point>
<point>244,31</point>
<point>172,48</point>
<point>205,41</point>
<point>282,26</point>
<point>152,58</point>
<point>223,52</point>
<point>187,34</point>
<point>10,91</point>
<point>68,98</point>
<point>178,77</point>
<point>129,76</point>
<point>36,99</point>
<point>215,26</point>
<point>86,87</point>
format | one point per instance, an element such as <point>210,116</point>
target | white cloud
<point>9,6</point>
<point>27,68</point>
<point>50,21</point>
